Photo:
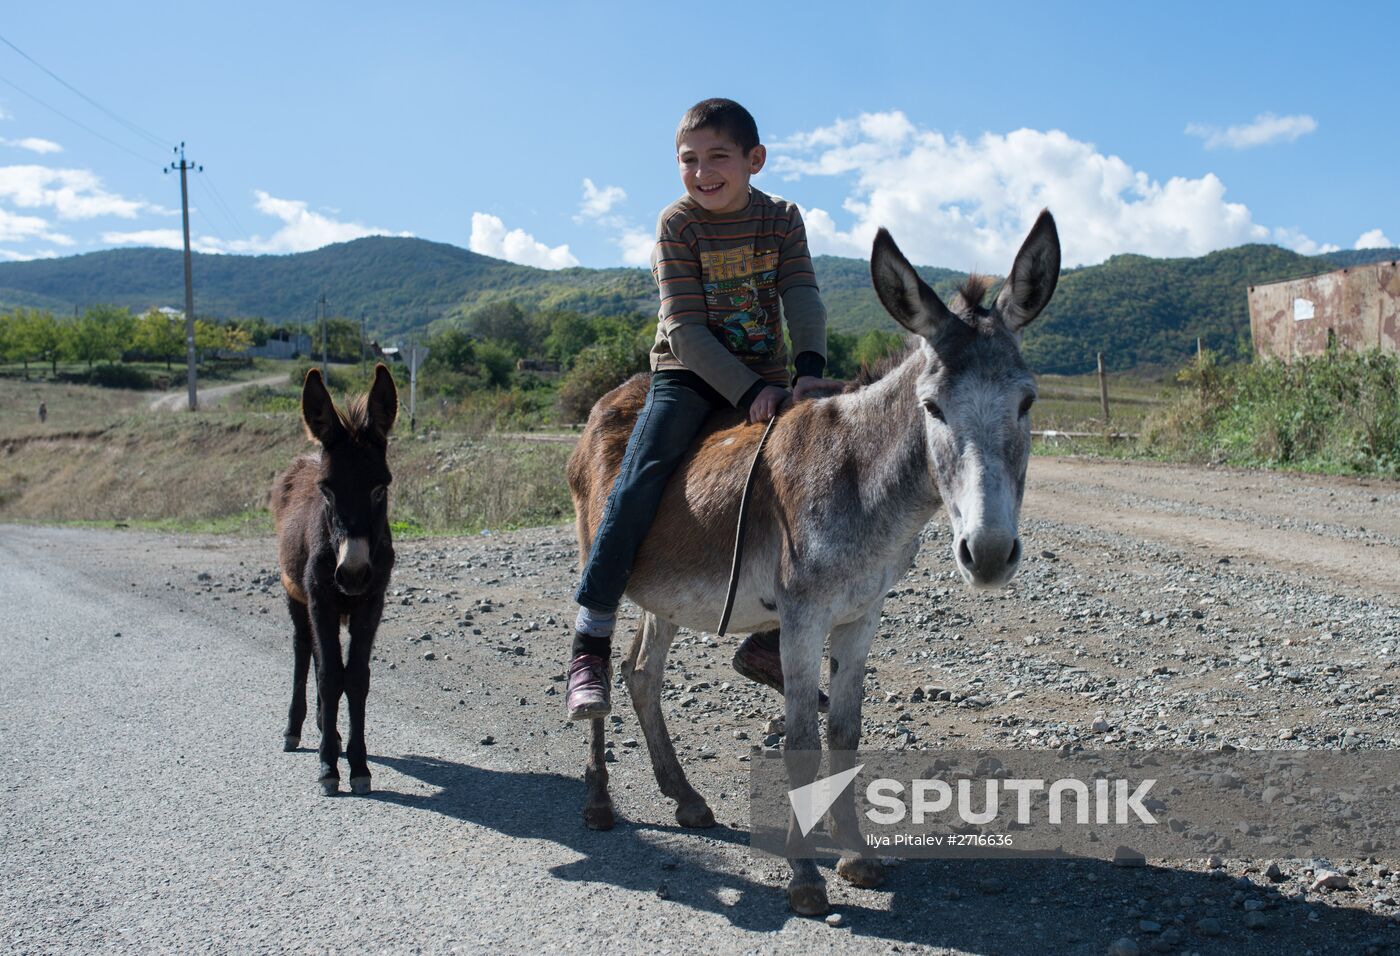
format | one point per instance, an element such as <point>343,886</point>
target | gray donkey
<point>844,488</point>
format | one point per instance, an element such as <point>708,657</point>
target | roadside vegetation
<point>469,457</point>
<point>1337,413</point>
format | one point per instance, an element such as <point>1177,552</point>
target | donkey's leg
<point>643,670</point>
<point>301,664</point>
<point>330,683</point>
<point>598,810</point>
<point>850,643</point>
<point>363,623</point>
<point>804,626</point>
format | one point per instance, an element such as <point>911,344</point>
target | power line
<point>88,129</point>
<point>150,137</point>
<point>219,199</point>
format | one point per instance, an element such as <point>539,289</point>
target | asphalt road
<point>148,807</point>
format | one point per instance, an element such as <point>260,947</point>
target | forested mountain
<point>1136,309</point>
<point>398,284</point>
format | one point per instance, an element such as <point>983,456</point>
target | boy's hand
<point>765,406</point>
<point>812,386</point>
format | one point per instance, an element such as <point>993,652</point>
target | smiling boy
<point>725,255</point>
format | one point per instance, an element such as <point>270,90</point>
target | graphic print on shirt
<point>741,297</point>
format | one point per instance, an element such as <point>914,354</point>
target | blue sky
<point>543,132</point>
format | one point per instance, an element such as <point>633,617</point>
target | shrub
<point>1334,412</point>
<point>597,370</point>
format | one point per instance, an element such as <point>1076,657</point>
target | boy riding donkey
<point>724,254</point>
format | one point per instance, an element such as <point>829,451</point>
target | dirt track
<point>208,396</point>
<point>1158,606</point>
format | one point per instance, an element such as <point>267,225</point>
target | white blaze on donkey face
<point>979,444</point>
<point>353,554</point>
<point>352,565</point>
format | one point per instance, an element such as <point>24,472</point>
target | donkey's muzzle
<point>352,567</point>
<point>987,558</point>
<point>353,580</point>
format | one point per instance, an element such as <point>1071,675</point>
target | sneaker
<point>764,666</point>
<point>589,688</point>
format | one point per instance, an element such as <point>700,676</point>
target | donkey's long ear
<point>318,411</point>
<point>904,295</point>
<point>383,402</point>
<point>1034,275</point>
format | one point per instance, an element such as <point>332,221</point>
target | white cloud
<point>34,144</point>
<point>597,203</point>
<point>633,242</point>
<point>1374,239</point>
<point>19,228</point>
<point>490,238</point>
<point>71,193</point>
<point>10,255</point>
<point>163,239</point>
<point>302,230</point>
<point>968,204</point>
<point>1266,128</point>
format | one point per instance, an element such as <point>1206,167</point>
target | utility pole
<point>363,349</point>
<point>1103,390</point>
<point>183,167</point>
<point>324,320</point>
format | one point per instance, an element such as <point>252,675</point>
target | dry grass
<point>212,471</point>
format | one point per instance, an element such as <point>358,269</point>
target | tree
<point>497,361</point>
<point>99,335</point>
<point>40,338</point>
<point>207,336</point>
<point>569,334</point>
<point>839,348</point>
<point>159,336</point>
<point>451,350</point>
<point>877,344</point>
<point>597,370</point>
<point>237,339</point>
<point>502,322</point>
<point>9,350</point>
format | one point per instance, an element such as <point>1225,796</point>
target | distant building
<point>285,347</point>
<point>1356,308</point>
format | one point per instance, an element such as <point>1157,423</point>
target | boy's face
<point>715,172</point>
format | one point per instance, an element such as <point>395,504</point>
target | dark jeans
<point>676,408</point>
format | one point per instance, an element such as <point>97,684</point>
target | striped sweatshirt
<point>720,279</point>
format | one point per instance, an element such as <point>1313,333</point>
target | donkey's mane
<point>974,290</point>
<point>354,417</point>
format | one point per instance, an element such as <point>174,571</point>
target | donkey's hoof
<point>330,787</point>
<point>291,742</point>
<point>359,785</point>
<point>697,815</point>
<point>861,871</point>
<point>598,816</point>
<point>807,899</point>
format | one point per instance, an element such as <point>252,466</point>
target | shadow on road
<point>977,906</point>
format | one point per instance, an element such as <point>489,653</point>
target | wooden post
<point>1200,353</point>
<point>1103,390</point>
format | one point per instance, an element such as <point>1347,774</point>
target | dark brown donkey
<point>335,552</point>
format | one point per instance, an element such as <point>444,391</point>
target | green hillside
<point>1138,310</point>
<point>399,284</point>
